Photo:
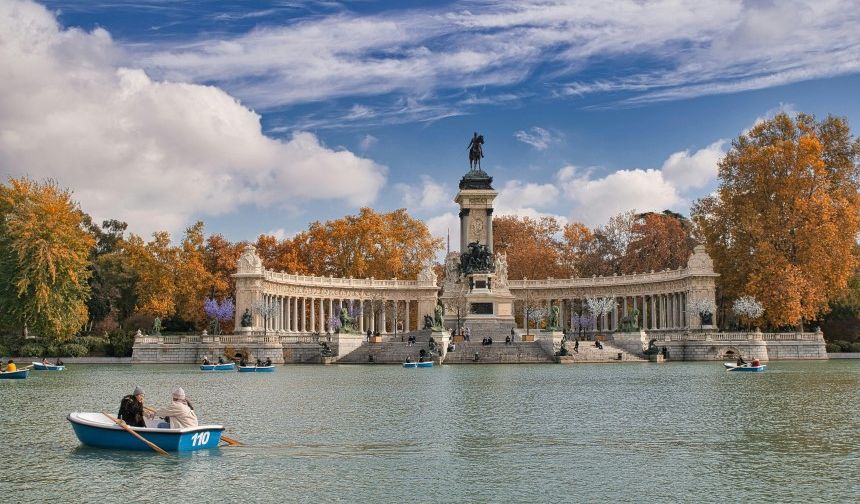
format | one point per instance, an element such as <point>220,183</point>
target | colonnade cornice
<point>652,281</point>
<point>282,278</point>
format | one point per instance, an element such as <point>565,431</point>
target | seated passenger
<point>243,362</point>
<point>259,363</point>
<point>268,361</point>
<point>59,362</point>
<point>11,367</point>
<point>131,409</point>
<point>180,412</point>
<point>205,361</point>
<point>408,360</point>
<point>756,363</point>
<point>741,362</point>
<point>220,360</point>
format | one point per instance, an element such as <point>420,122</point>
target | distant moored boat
<point>38,366</point>
<point>229,366</point>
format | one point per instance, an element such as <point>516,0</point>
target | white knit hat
<point>179,393</point>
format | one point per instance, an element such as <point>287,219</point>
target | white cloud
<point>428,196</point>
<point>537,137</point>
<point>280,234</point>
<point>595,200</point>
<point>445,226</point>
<point>699,48</point>
<point>516,193</point>
<point>685,171</point>
<point>152,153</point>
<point>368,141</point>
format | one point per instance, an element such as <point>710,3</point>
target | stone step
<point>519,352</point>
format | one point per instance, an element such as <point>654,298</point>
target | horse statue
<point>476,152</point>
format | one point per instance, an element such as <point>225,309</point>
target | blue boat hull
<point>425,364</point>
<point>38,366</point>
<point>255,369</point>
<point>217,367</point>
<point>410,364</point>
<point>114,437</point>
<point>15,375</point>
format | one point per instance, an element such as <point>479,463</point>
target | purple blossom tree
<point>581,322</point>
<point>218,312</point>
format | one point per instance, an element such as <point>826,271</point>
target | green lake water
<point>677,432</point>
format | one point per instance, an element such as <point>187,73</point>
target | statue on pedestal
<point>246,318</point>
<point>476,152</point>
<point>438,319</point>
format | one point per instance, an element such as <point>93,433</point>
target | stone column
<point>312,307</point>
<point>653,311</point>
<point>372,318</point>
<point>489,227</point>
<point>361,316</point>
<point>464,228</point>
<point>383,327</point>
<point>304,315</point>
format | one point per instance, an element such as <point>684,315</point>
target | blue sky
<point>260,117</point>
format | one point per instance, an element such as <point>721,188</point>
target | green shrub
<point>31,350</point>
<point>74,350</point>
<point>4,351</point>
<point>95,344</point>
<point>121,343</point>
<point>854,347</point>
<point>834,347</point>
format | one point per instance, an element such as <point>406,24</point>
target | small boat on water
<point>229,366</point>
<point>410,364</point>
<point>256,369</point>
<point>749,368</point>
<point>38,366</point>
<point>15,375</point>
<point>425,364</point>
<point>95,429</point>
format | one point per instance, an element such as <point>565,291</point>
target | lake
<point>470,433</point>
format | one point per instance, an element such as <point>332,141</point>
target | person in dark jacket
<point>131,409</point>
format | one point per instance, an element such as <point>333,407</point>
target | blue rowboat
<point>95,429</point>
<point>425,364</point>
<point>410,364</point>
<point>218,367</point>
<point>14,375</point>
<point>38,366</point>
<point>256,369</point>
<point>748,368</point>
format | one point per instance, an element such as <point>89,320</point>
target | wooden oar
<point>128,429</point>
<point>229,441</point>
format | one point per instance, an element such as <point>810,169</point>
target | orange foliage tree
<point>785,220</point>
<point>657,242</point>
<point>370,244</point>
<point>533,247</point>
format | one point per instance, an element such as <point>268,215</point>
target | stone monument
<point>476,278</point>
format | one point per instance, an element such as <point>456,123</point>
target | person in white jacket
<point>180,412</point>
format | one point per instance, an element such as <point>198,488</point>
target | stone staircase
<point>590,353</point>
<point>388,352</point>
<point>498,353</point>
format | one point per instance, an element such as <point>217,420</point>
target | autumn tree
<point>44,258</point>
<point>153,266</point>
<point>221,257</point>
<point>533,247</point>
<point>604,253</point>
<point>370,244</point>
<point>784,222</point>
<point>192,280</point>
<point>657,241</point>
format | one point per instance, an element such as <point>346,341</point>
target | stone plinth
<point>634,342</point>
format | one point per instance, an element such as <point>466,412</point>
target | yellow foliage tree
<point>44,258</point>
<point>153,264</point>
<point>192,280</point>
<point>785,220</point>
